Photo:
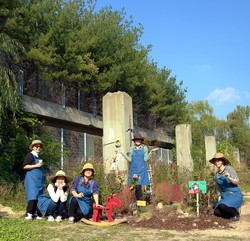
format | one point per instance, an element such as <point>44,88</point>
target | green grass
<point>40,230</point>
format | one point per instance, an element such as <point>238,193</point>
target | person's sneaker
<point>71,219</point>
<point>235,218</point>
<point>29,216</point>
<point>36,217</point>
<point>59,219</point>
<point>50,219</point>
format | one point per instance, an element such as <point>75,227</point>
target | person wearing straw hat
<point>53,204</point>
<point>34,178</point>
<point>82,190</point>
<point>230,197</point>
<point>138,156</point>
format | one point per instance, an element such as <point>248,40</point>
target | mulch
<point>178,222</point>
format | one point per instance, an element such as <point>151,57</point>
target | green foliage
<point>108,183</point>
<point>243,173</point>
<point>16,137</point>
<point>239,135</point>
<point>13,195</point>
<point>9,54</point>
<point>96,52</point>
<point>164,172</point>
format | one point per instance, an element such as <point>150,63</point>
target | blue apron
<point>85,202</point>
<point>43,203</point>
<point>138,166</point>
<point>33,182</point>
<point>231,194</point>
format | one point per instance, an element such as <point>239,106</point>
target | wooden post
<point>197,204</point>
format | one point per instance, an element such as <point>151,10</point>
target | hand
<point>80,195</point>
<point>40,163</point>
<point>60,184</point>
<point>227,175</point>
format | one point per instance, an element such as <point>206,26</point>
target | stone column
<point>117,119</point>
<point>236,153</point>
<point>183,147</point>
<point>211,148</point>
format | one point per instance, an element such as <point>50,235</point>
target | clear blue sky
<point>206,44</point>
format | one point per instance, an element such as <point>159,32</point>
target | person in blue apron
<point>34,178</point>
<point>230,197</point>
<point>82,190</point>
<point>138,157</point>
<point>53,204</point>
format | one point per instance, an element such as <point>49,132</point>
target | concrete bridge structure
<point>117,119</point>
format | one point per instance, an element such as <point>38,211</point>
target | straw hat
<point>138,136</point>
<point>60,174</point>
<point>36,142</point>
<point>88,166</point>
<point>220,155</point>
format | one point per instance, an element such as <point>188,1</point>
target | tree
<point>97,52</point>
<point>203,123</point>
<point>239,135</point>
<point>9,56</point>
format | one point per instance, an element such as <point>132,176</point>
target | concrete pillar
<point>183,147</point>
<point>210,147</point>
<point>117,119</point>
<point>236,153</point>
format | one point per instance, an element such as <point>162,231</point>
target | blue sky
<point>206,44</point>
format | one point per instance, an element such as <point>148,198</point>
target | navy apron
<point>33,182</point>
<point>231,194</point>
<point>84,202</point>
<point>138,166</point>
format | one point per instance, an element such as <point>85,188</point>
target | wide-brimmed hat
<point>138,136</point>
<point>221,156</point>
<point>36,142</point>
<point>60,174</point>
<point>88,166</point>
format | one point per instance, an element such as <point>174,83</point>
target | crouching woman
<point>230,197</point>
<point>82,190</point>
<point>53,205</point>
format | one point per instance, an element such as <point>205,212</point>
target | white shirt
<point>59,194</point>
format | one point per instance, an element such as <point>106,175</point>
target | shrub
<point>126,196</point>
<point>163,192</point>
<point>176,193</point>
<point>13,195</point>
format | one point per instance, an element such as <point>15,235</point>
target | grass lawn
<point>40,230</point>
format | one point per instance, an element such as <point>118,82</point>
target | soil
<point>179,222</point>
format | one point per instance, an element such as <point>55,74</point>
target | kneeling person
<point>82,190</point>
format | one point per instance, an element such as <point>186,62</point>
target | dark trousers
<point>74,209</point>
<point>224,211</point>
<point>57,207</point>
<point>31,207</point>
<point>138,192</point>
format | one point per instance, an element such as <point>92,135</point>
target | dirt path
<point>8,212</point>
